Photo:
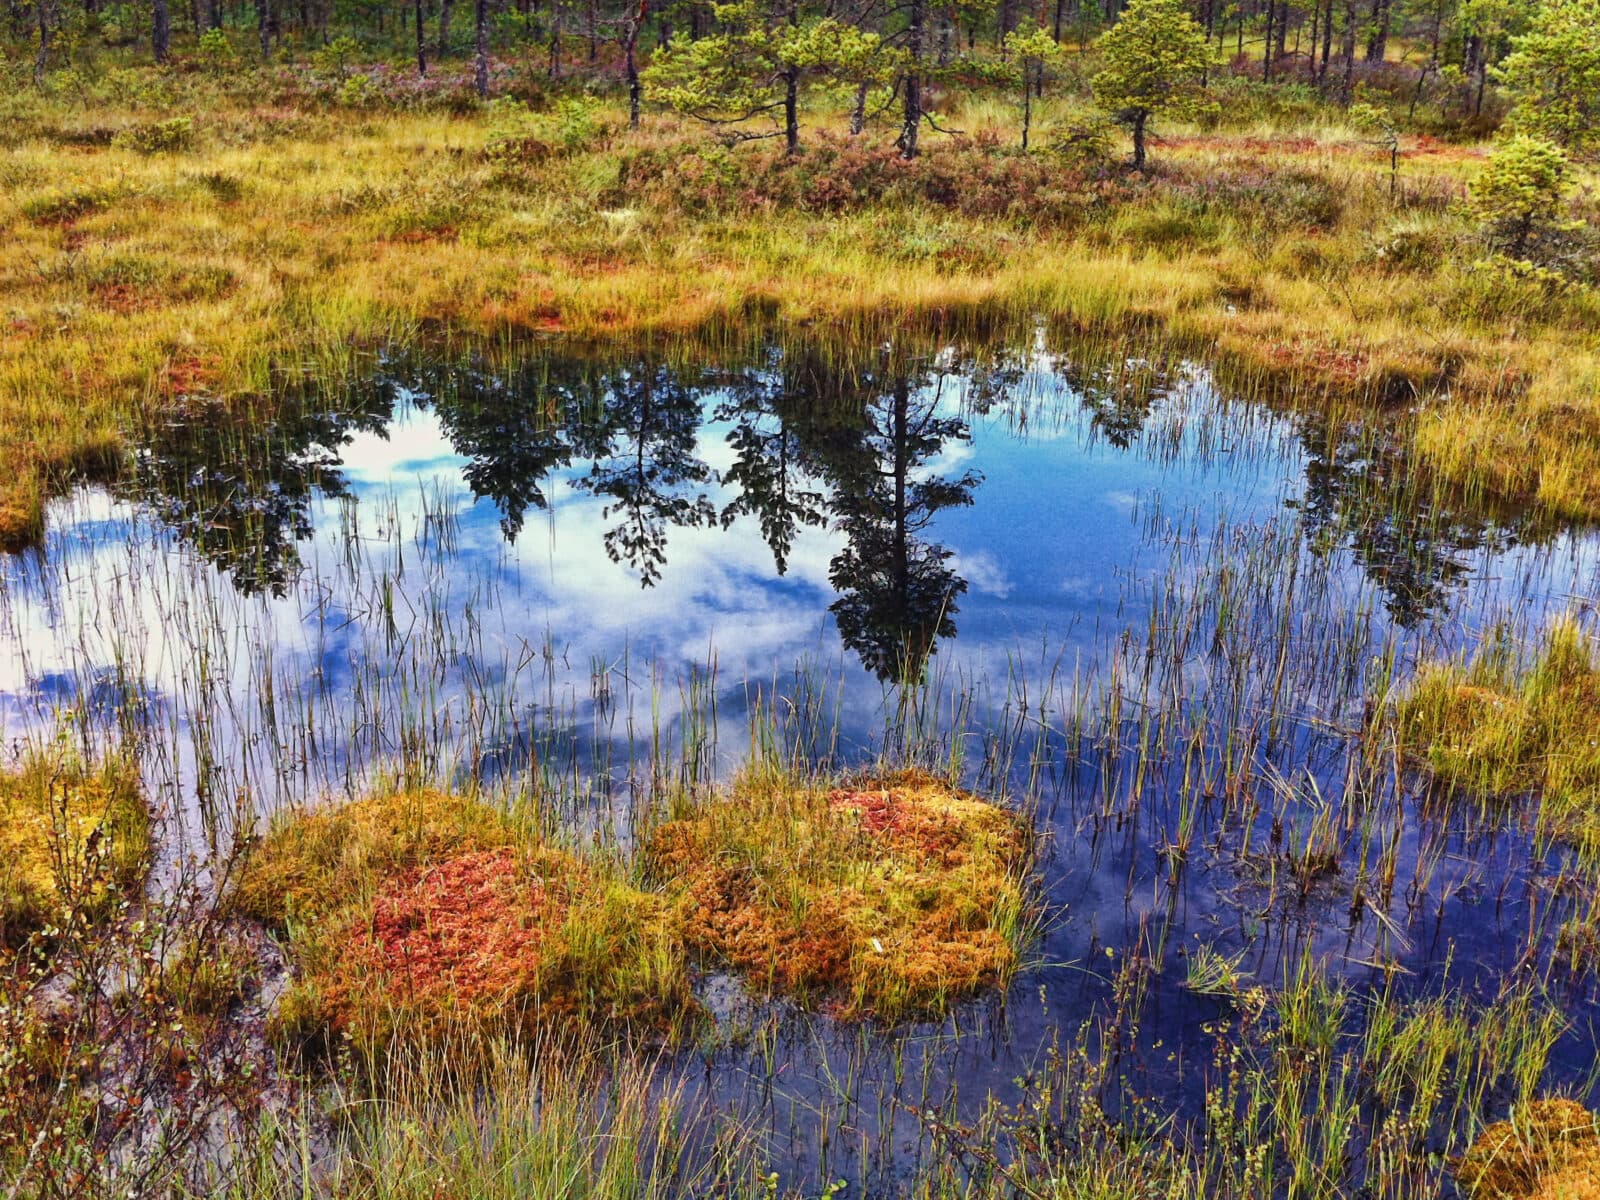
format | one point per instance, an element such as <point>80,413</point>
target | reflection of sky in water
<point>428,617</point>
<point>428,626</point>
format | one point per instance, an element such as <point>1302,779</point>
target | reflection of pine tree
<point>897,591</point>
<point>239,489</point>
<point>513,429</point>
<point>1413,541</point>
<point>813,441</point>
<point>774,422</point>
<point>644,463</point>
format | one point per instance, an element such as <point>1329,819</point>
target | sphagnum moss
<point>890,896</point>
<point>424,913</point>
<point>72,836</point>
<point>1546,1150</point>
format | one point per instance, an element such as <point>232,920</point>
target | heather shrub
<point>1274,198</point>
<point>176,133</point>
<point>972,177</point>
<point>1411,244</point>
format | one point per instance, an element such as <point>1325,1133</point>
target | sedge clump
<point>1486,727</point>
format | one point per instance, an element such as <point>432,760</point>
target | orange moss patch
<point>423,914</point>
<point>1344,367</point>
<point>189,375</point>
<point>889,898</point>
<point>470,928</point>
<point>1548,1150</point>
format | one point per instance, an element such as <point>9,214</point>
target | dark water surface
<point>1161,615</point>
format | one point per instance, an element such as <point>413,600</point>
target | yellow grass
<point>283,240</point>
<point>71,837</point>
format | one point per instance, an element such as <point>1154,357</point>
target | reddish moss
<point>890,897</point>
<point>469,929</point>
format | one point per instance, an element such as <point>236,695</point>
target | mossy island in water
<point>424,912</point>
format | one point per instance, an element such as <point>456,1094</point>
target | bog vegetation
<point>1382,203</point>
<point>1380,211</point>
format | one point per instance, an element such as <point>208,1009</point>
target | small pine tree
<point>1519,193</point>
<point>1553,75</point>
<point>758,65</point>
<point>1155,58</point>
<point>1032,53</point>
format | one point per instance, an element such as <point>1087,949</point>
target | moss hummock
<point>1547,1150</point>
<point>423,913</point>
<point>889,897</point>
<point>426,913</point>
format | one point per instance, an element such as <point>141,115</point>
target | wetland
<point>587,602</point>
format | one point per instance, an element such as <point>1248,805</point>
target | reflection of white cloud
<point>983,572</point>
<point>388,637</point>
<point>1083,589</point>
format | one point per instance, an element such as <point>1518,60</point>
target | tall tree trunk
<point>444,28</point>
<point>858,110</point>
<point>1027,102</point>
<point>791,110</point>
<point>1139,120</point>
<point>46,12</point>
<point>1351,26</point>
<point>630,60</point>
<point>160,30</point>
<point>480,49</point>
<point>422,41</point>
<point>911,127</point>
<point>264,26</point>
<point>1266,49</point>
<point>1327,40</point>
<point>1378,37</point>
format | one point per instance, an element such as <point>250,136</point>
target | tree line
<point>730,64</point>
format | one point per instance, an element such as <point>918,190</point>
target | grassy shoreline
<point>279,243</point>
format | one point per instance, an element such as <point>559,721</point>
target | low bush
<point>157,137</point>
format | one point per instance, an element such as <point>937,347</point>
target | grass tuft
<point>1485,727</point>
